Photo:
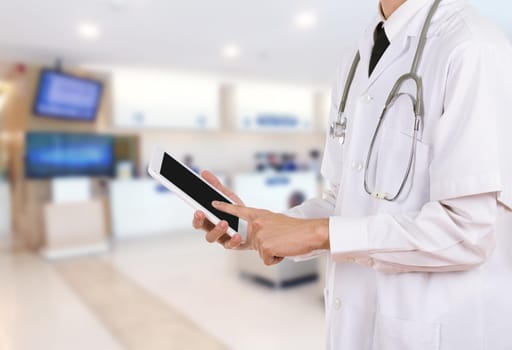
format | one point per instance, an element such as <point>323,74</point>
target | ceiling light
<point>231,51</point>
<point>88,30</point>
<point>305,20</point>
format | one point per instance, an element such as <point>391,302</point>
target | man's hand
<point>217,233</point>
<point>276,236</point>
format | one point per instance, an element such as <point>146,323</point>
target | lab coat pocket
<point>393,334</point>
<point>390,165</point>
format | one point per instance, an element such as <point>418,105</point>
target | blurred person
<point>260,159</point>
<point>273,161</point>
<point>288,162</point>
<point>419,247</point>
<point>296,198</point>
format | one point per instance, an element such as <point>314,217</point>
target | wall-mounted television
<point>67,97</point>
<point>51,155</point>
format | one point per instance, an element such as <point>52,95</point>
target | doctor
<point>419,249</point>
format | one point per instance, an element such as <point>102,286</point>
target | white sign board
<point>160,99</point>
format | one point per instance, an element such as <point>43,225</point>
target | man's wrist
<point>321,230</point>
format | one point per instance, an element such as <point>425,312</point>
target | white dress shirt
<point>401,17</point>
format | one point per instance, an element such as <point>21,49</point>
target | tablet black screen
<point>198,190</point>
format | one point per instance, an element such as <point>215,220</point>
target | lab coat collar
<point>415,24</point>
<point>400,19</point>
<point>399,45</point>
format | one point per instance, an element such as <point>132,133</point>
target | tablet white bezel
<point>154,170</point>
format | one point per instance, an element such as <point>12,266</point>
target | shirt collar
<point>398,21</point>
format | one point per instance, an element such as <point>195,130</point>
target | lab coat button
<point>357,166</point>
<point>366,99</point>
<point>337,303</point>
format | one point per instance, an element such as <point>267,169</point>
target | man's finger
<point>214,181</point>
<point>201,222</point>
<point>217,232</point>
<point>276,260</point>
<point>245,245</point>
<point>198,220</point>
<point>270,259</point>
<point>224,239</point>
<point>234,242</point>
<point>245,213</point>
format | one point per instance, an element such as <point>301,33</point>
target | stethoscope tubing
<point>337,129</point>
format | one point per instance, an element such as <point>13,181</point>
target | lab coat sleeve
<point>316,208</point>
<point>465,146</point>
<point>311,209</point>
<point>455,230</point>
<point>451,235</point>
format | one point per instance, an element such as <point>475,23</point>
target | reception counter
<point>277,192</point>
<point>141,207</point>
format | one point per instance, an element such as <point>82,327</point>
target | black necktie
<point>380,46</point>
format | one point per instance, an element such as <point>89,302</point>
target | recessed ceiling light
<point>88,30</point>
<point>231,51</point>
<point>305,20</point>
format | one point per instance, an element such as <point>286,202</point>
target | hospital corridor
<point>240,175</point>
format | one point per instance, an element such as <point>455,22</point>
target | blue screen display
<point>67,97</point>
<point>55,155</point>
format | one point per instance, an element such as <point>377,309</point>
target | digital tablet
<point>190,187</point>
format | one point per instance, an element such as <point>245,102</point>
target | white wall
<point>150,98</point>
<point>225,148</point>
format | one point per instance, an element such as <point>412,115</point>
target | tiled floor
<point>38,310</point>
<point>136,318</point>
<point>42,308</point>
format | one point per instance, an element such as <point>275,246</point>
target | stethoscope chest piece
<point>338,130</point>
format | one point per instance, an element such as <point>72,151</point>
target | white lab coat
<point>393,291</point>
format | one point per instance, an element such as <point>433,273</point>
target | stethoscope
<point>339,127</point>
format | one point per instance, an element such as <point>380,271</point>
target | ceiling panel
<point>190,34</point>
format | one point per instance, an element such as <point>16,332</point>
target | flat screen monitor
<point>64,96</point>
<point>65,154</point>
